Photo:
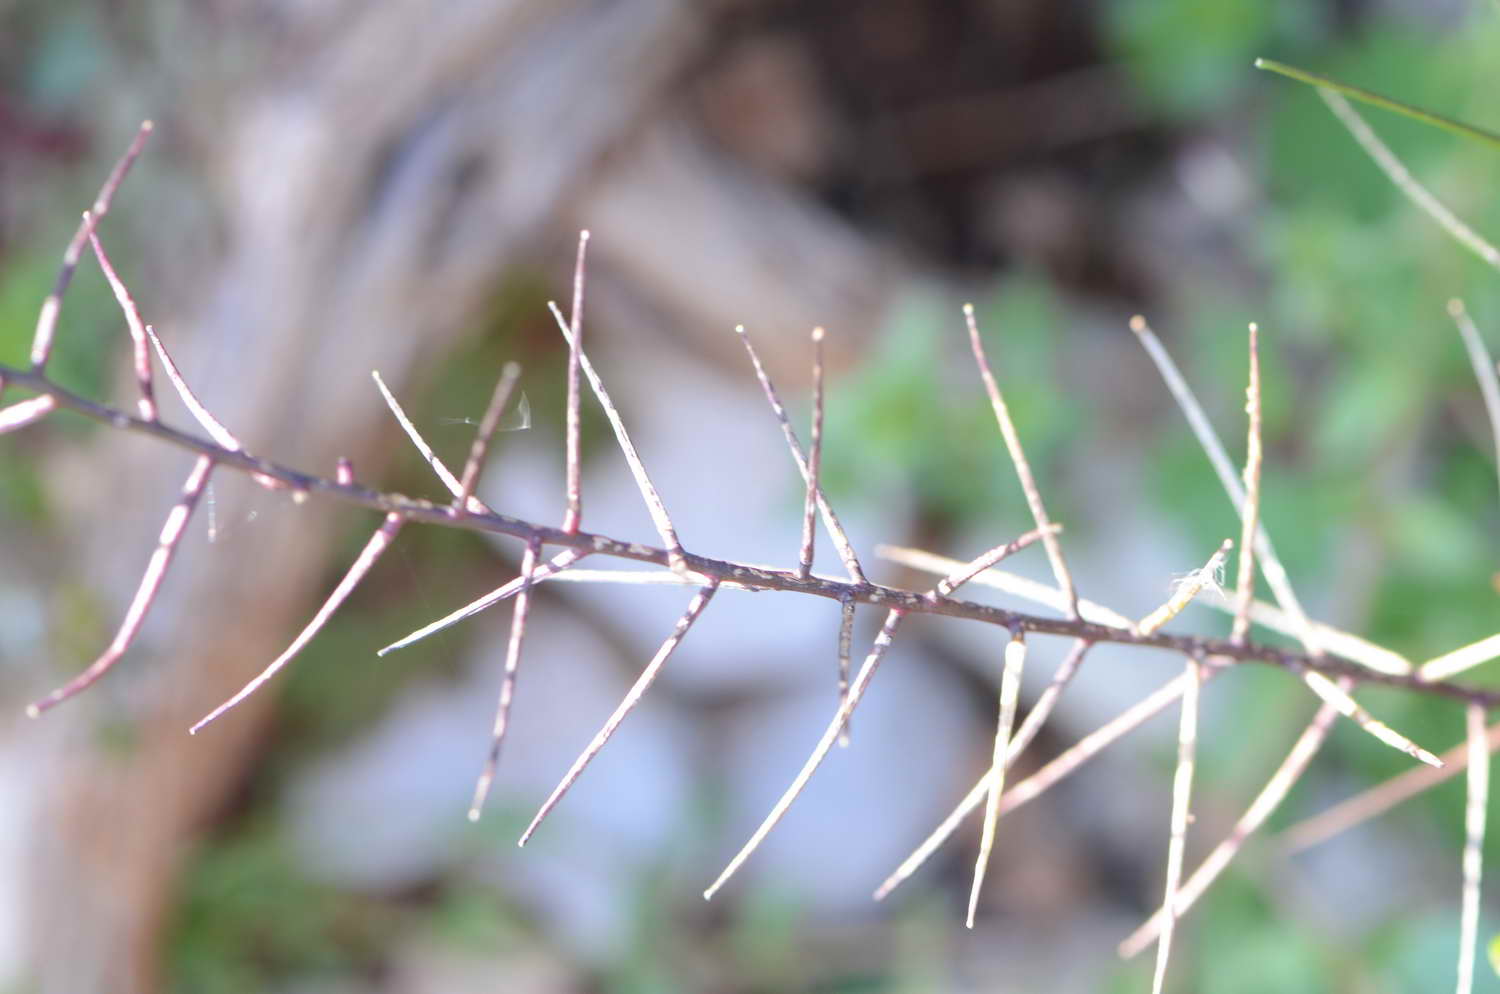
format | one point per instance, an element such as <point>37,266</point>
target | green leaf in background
<point>1494,953</point>
<point>1183,53</point>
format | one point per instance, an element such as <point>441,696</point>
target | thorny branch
<point>744,576</point>
<point>1332,662</point>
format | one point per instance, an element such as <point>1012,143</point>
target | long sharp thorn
<point>1473,863</point>
<point>1039,782</point>
<point>1455,662</point>
<point>46,322</point>
<point>508,682</point>
<point>648,491</point>
<point>450,481</point>
<point>1269,798</point>
<point>1399,175</point>
<point>1218,457</point>
<point>814,460</point>
<point>1484,369</point>
<point>26,412</point>
<point>140,350</point>
<point>1023,468</point>
<point>1010,689</point>
<point>968,571</point>
<point>558,563</point>
<point>632,698</point>
<point>1270,564</point>
<point>1381,798</point>
<point>574,516</point>
<point>145,594</point>
<point>368,556</point>
<point>1182,790</point>
<point>861,682</point>
<point>1186,591</point>
<point>830,519</point>
<point>216,430</point>
<point>487,425</point>
<point>1244,583</point>
<point>846,640</point>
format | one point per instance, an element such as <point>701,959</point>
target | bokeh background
<point>336,186</point>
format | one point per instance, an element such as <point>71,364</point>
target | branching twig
<point>755,577</point>
<point>1331,676</point>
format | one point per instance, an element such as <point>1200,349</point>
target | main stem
<point>730,573</point>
